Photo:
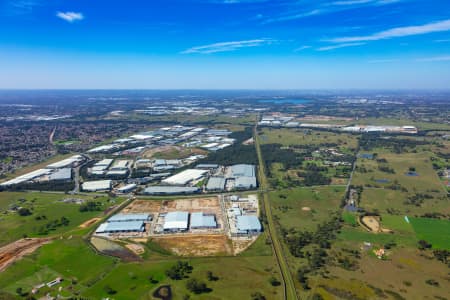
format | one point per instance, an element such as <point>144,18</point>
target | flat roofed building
<point>129,226</point>
<point>199,220</point>
<point>130,217</point>
<point>185,177</point>
<point>243,170</point>
<point>120,165</point>
<point>207,166</point>
<point>127,188</point>
<point>98,185</point>
<point>66,162</point>
<point>216,184</point>
<point>176,221</point>
<point>105,162</point>
<point>245,183</point>
<point>170,190</point>
<point>61,175</point>
<point>247,224</point>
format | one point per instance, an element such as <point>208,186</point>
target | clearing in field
<point>196,245</point>
<point>373,224</point>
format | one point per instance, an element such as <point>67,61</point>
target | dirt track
<point>16,250</point>
<point>89,222</point>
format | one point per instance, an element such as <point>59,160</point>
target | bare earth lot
<point>15,251</point>
<point>196,245</point>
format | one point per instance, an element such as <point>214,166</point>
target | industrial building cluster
<point>60,171</point>
<point>234,216</point>
<point>291,122</point>
<point>186,136</point>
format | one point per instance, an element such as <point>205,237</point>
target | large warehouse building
<point>124,223</point>
<point>130,217</point>
<point>170,190</point>
<point>216,184</point>
<point>97,186</point>
<point>202,221</point>
<point>248,224</point>
<point>176,221</point>
<point>185,177</point>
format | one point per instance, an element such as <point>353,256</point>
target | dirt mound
<point>15,251</point>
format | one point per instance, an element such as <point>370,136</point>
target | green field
<point>304,208</point>
<point>13,226</point>
<point>287,137</point>
<point>434,231</point>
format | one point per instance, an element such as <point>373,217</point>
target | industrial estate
<point>234,195</point>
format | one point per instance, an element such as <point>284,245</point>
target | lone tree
<point>196,286</point>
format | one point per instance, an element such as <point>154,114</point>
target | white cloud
<point>228,46</point>
<point>301,15</point>
<point>70,16</point>
<point>398,32</point>
<point>345,45</point>
<point>434,58</point>
<point>302,48</point>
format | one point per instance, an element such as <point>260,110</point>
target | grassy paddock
<point>434,231</point>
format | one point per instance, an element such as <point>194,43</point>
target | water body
<point>284,100</point>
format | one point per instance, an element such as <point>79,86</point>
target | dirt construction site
<point>194,242</point>
<point>15,251</point>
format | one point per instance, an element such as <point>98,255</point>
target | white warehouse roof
<point>185,177</point>
<point>177,220</point>
<point>98,185</point>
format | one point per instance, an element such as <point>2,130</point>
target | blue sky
<point>257,44</point>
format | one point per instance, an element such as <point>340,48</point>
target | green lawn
<point>434,231</point>
<point>13,226</point>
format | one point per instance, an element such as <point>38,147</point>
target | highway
<point>287,281</point>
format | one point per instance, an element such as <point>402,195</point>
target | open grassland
<point>289,137</point>
<point>305,208</point>
<point>238,278</point>
<point>13,226</point>
<point>434,231</point>
<point>384,200</point>
<point>426,180</point>
<point>402,276</point>
<point>69,258</point>
<point>87,274</point>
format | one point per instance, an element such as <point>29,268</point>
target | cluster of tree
<point>368,142</point>
<point>196,286</point>
<point>91,206</point>
<point>275,153</point>
<point>442,255</point>
<point>386,169</point>
<point>53,225</point>
<point>311,178</point>
<point>234,154</point>
<point>23,212</point>
<point>179,270</point>
<point>417,199</point>
<point>322,237</point>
